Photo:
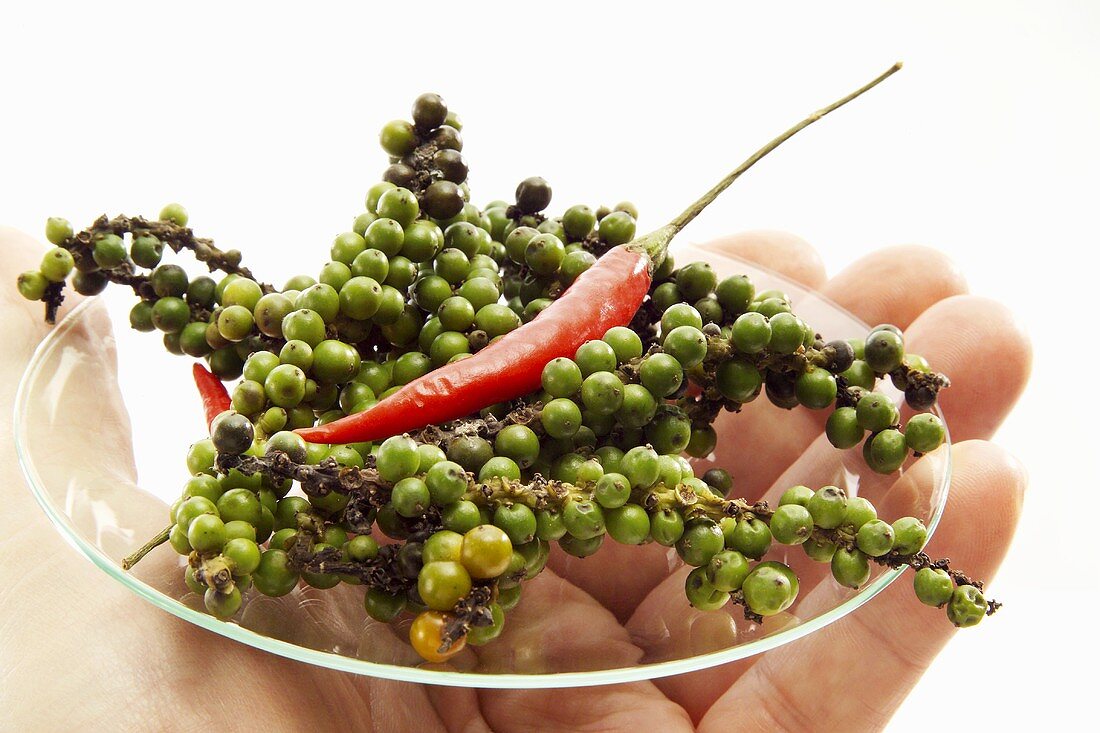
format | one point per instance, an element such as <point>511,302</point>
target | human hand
<point>76,650</point>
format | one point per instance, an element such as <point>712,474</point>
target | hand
<point>77,650</point>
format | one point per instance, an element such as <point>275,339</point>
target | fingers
<point>557,628</point>
<point>601,575</point>
<point>533,640</point>
<point>985,352</point>
<point>896,284</point>
<point>761,441</point>
<point>633,706</point>
<point>782,252</point>
<point>882,287</point>
<point>875,655</point>
<point>620,592</point>
<point>954,334</point>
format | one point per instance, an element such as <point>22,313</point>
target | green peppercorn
<point>791,524</point>
<point>815,388</point>
<point>666,527</point>
<point>910,534</point>
<point>850,567</point>
<point>843,429</point>
<point>661,374</point>
<point>875,538</point>
<point>827,506</point>
<point>727,570</point>
<point>884,350</point>
<point>967,606</point>
<point>767,591</point>
<point>924,433</point>
<point>628,524</point>
<point>885,451</point>
<point>751,537</point>
<point>933,586</point>
<point>702,593</point>
<point>701,541</point>
<point>751,333</point>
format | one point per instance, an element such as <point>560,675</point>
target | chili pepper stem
<point>131,560</point>
<point>655,244</point>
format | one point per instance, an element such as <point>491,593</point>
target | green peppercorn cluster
<point>424,277</point>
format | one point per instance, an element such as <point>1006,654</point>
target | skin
<point>125,663</point>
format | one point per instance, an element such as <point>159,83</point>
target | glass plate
<point>557,636</point>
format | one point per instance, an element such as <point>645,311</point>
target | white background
<point>264,122</point>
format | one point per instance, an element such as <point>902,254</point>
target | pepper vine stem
<point>656,243</point>
<point>159,539</point>
<point>693,211</point>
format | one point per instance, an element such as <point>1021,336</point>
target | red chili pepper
<point>606,295</point>
<point>215,398</point>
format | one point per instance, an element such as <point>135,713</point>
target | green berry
<point>640,465</point>
<point>738,380</point>
<point>735,293</point>
<point>109,251</point>
<point>561,377</point>
<point>767,591</point>
<point>800,495</point>
<point>843,429</point>
<point>751,537</point>
<point>858,513</point>
<point>560,418</point>
<point>617,228</point>
<point>206,533</point>
<point>410,497</point>
<point>595,356</point>
<point>549,525</point>
<point>702,593</point>
<point>680,314</point>
<point>827,506</point>
<point>884,351</point>
<point>875,538</point>
<point>612,490</point>
<point>499,467</point>
<point>816,388</point>
<point>174,213</point>
<point>727,570</point>
<point>700,542</point>
<point>382,606</point>
<point>58,230</point>
<point>967,606</point>
<point>661,374</point>
<point>624,342</point>
<point>666,527</point>
<point>397,458</point>
<point>285,386</point>
<point>32,285</point>
<point>461,516</point>
<point>751,333</point>
<point>924,433</point>
<point>602,393</point>
<point>222,605</point>
<point>56,264</point>
<point>791,524</point>
<point>583,520</point>
<point>910,535</point>
<point>628,524</point>
<point>933,586</point>
<point>442,584</point>
<point>687,345</point>
<point>850,567</point>
<point>885,451</point>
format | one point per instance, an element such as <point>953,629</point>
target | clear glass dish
<point>558,636</point>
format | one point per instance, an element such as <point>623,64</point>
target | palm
<point>136,664</point>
